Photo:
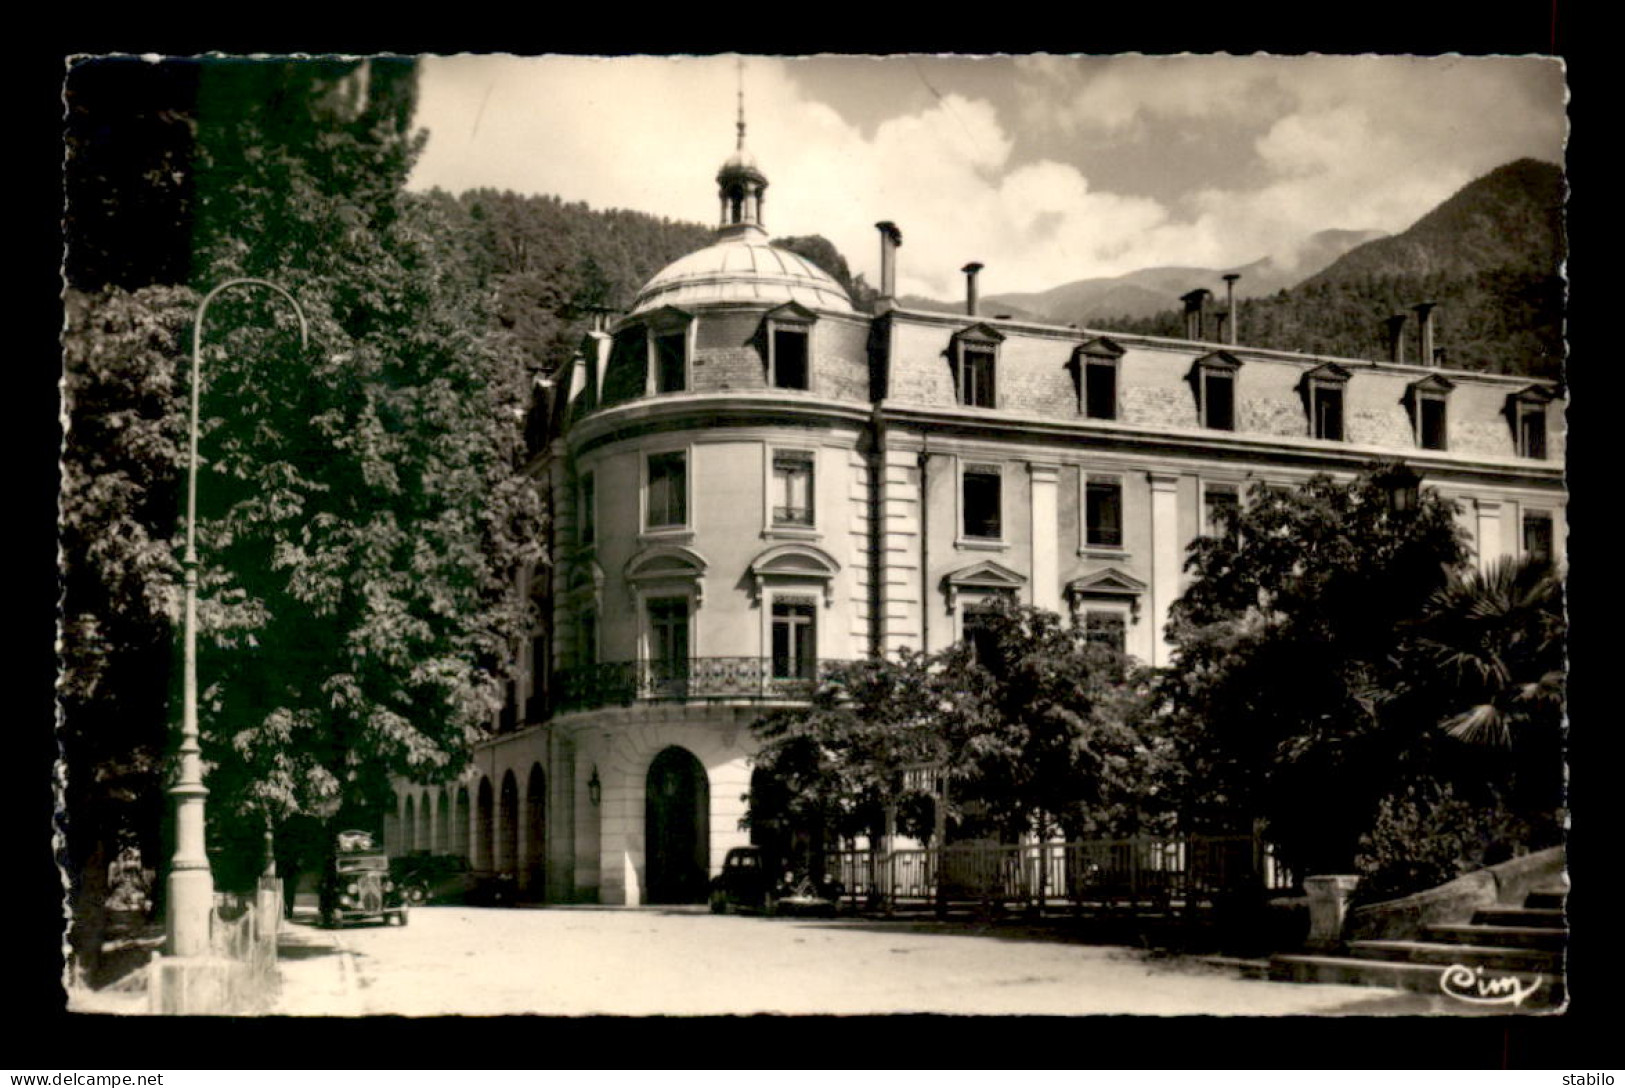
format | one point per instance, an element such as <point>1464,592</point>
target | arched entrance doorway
<point>677,828</point>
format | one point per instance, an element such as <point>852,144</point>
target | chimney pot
<point>890,239</point>
<point>1195,305</point>
<point>1424,314</point>
<point>1230,279</point>
<point>970,271</point>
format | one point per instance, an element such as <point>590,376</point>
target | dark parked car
<point>493,889</point>
<point>434,878</point>
<point>357,885</point>
<point>748,882</point>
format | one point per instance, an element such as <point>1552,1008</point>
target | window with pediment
<point>1527,412</point>
<point>668,349</point>
<point>1095,373</point>
<point>788,331</point>
<point>1324,390</point>
<point>1215,378</point>
<point>974,353</point>
<point>1429,403</point>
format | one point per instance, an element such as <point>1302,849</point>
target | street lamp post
<point>191,885</point>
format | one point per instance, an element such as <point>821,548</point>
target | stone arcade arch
<point>459,824</point>
<point>483,820</point>
<point>507,856</point>
<point>423,836</point>
<point>677,828</point>
<point>534,876</point>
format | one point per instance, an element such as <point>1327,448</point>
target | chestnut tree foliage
<point>1036,731</point>
<point>1285,652</point>
<point>362,510</point>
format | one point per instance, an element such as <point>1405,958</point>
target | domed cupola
<point>740,266</point>
<point>741,186</point>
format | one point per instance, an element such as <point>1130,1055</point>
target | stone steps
<point>1551,938</point>
<point>1444,954</point>
<point>1506,959</point>
<point>1484,988</point>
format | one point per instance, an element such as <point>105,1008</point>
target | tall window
<point>1537,536</point>
<point>795,643</point>
<point>668,642</point>
<point>976,365</point>
<point>793,488</point>
<point>587,510</point>
<point>1214,379</point>
<point>790,357</point>
<point>671,362</point>
<point>1429,404</point>
<point>1217,501</point>
<point>1106,628</point>
<point>668,490</point>
<point>1100,387</point>
<point>1432,423</point>
<point>1219,400</point>
<point>981,488</point>
<point>976,631</point>
<point>1532,430</point>
<point>1326,404</point>
<point>1103,512</point>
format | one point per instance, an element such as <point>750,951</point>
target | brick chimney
<point>1195,312</point>
<point>1424,317</point>
<point>1396,336</point>
<point>890,239</point>
<point>970,271</point>
<point>1230,279</point>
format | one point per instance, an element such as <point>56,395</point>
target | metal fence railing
<point>1174,873</point>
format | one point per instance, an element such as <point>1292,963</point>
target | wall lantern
<point>1404,488</point>
<point>595,788</point>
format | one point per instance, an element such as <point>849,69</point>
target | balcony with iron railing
<point>623,683</point>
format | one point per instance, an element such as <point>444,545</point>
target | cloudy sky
<point>1046,169</point>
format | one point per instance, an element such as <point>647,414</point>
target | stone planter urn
<point>1328,906</point>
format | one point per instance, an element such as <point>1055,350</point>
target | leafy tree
<point>362,509</point>
<point>123,395</point>
<point>1037,730</point>
<point>1282,647</point>
<point>364,513</point>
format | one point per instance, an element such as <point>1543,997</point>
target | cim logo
<point>1471,985</point>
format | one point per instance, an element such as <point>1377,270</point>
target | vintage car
<point>356,884</point>
<point>748,882</point>
<point>434,878</point>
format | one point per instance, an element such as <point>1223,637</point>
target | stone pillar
<point>1167,559</point>
<point>1328,906</point>
<point>1488,531</point>
<point>1046,534</point>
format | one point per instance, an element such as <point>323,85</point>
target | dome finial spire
<point>741,144</point>
<point>740,184</point>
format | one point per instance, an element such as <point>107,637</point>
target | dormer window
<point>788,332</point>
<point>1429,402</point>
<point>1214,377</point>
<point>668,329</point>
<point>1323,389</point>
<point>975,356</point>
<point>1096,365</point>
<point>1527,411</point>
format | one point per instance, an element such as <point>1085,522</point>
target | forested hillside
<point>1490,256</point>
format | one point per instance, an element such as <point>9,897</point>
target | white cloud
<point>1337,142</point>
